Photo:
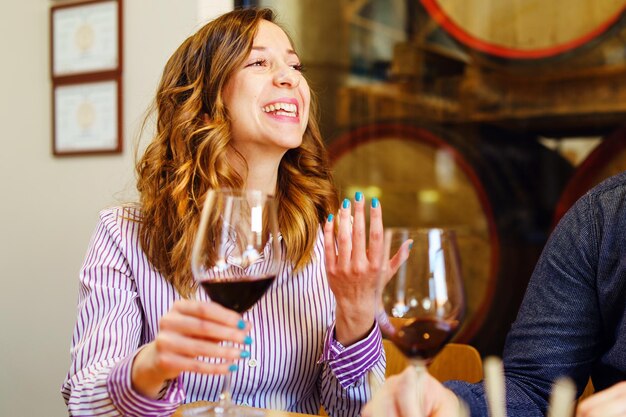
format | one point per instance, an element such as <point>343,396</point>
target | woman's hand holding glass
<point>190,330</point>
<point>235,258</point>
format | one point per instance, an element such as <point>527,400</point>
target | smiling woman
<point>233,111</point>
<point>268,98</point>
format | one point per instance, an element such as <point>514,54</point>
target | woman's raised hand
<point>188,334</point>
<point>353,267</point>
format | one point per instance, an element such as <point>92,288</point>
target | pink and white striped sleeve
<point>349,372</point>
<point>107,335</point>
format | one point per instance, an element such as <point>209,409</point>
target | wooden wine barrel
<point>525,30</point>
<point>606,160</point>
<point>488,185</point>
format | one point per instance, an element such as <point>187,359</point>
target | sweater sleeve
<point>558,327</point>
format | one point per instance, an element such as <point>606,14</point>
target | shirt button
<point>358,383</point>
<point>252,363</point>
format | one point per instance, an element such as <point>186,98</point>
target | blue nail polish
<point>346,203</point>
<point>241,324</point>
<point>330,218</point>
<point>247,340</point>
<point>244,354</point>
<point>358,196</point>
<point>233,367</point>
<point>410,245</point>
<point>375,202</point>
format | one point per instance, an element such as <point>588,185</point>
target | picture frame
<point>87,117</point>
<point>85,38</point>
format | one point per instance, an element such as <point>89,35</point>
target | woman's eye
<point>298,67</point>
<point>257,63</point>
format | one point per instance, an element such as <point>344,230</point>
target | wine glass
<point>235,258</point>
<point>423,299</point>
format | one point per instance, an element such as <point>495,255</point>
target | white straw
<point>463,409</point>
<point>494,386</point>
<point>374,383</point>
<point>562,398</point>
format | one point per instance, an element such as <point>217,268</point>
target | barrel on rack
<point>606,160</point>
<point>496,189</point>
<point>522,30</point>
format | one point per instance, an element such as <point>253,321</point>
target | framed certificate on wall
<point>86,37</point>
<point>87,118</point>
<point>86,72</point>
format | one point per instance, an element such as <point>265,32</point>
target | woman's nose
<point>286,76</point>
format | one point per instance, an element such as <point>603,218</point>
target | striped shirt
<point>295,362</point>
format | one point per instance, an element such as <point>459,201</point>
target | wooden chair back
<point>589,390</point>
<point>455,361</point>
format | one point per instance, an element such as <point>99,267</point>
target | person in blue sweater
<point>571,323</point>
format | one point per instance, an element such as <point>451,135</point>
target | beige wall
<point>48,205</point>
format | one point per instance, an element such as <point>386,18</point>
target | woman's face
<point>267,98</point>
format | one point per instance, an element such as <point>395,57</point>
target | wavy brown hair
<point>187,156</point>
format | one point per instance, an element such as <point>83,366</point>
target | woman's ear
<point>206,118</point>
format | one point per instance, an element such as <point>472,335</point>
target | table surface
<point>270,413</point>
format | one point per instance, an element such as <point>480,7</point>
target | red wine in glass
<point>423,337</point>
<point>238,295</point>
<point>422,295</point>
<point>236,256</point>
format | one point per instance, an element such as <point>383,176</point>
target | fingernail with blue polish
<point>244,354</point>
<point>330,218</point>
<point>241,324</point>
<point>346,203</point>
<point>410,245</point>
<point>358,196</point>
<point>233,368</point>
<point>247,340</point>
<point>375,202</point>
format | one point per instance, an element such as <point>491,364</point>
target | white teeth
<point>288,109</point>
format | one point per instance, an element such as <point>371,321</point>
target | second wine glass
<point>423,299</point>
<point>235,258</point>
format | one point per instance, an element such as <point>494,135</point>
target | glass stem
<point>225,400</point>
<point>420,370</point>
